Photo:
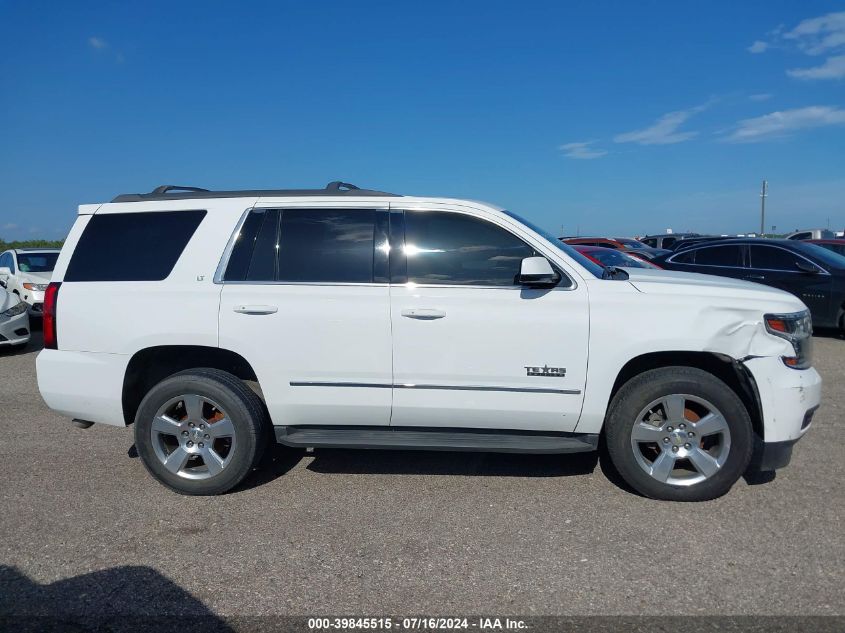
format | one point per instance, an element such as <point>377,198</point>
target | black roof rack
<point>178,192</point>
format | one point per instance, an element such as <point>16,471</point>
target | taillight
<point>51,296</point>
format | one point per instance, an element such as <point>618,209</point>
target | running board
<point>482,440</point>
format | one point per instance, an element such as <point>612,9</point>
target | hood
<point>676,283</point>
<point>7,300</point>
<point>723,315</point>
<point>35,278</point>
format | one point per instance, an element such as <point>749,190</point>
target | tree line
<point>4,245</point>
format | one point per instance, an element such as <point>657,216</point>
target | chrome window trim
<point>779,270</point>
<point>230,245</point>
<point>772,270</point>
<point>384,385</point>
<point>693,249</point>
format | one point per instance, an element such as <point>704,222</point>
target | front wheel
<point>680,434</point>
<point>200,432</point>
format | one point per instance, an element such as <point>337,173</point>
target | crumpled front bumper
<point>788,399</point>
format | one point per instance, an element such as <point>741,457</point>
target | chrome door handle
<point>755,277</point>
<point>256,309</point>
<point>423,313</point>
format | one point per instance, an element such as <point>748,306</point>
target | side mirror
<point>803,265</point>
<point>537,271</point>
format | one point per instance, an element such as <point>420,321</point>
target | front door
<point>306,301</point>
<point>471,348</point>
<point>778,267</point>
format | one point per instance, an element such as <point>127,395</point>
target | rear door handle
<point>256,309</point>
<point>423,313</point>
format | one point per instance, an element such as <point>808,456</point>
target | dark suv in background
<point>813,274</point>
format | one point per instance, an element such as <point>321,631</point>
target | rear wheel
<point>200,432</point>
<point>680,434</point>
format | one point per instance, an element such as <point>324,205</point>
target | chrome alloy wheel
<point>681,439</point>
<point>192,437</point>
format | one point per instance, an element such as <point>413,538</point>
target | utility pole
<point>763,193</point>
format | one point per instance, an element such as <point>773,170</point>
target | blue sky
<point>604,117</point>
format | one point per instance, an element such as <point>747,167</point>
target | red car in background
<point>627,244</point>
<point>610,257</point>
<point>837,246</point>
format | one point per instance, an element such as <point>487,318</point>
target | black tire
<point>241,405</point>
<point>652,385</point>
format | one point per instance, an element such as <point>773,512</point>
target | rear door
<point>305,299</point>
<point>778,267</point>
<point>472,348</point>
<point>726,260</point>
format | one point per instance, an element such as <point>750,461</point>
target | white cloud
<point>819,35</point>
<point>783,123</point>
<point>758,47</point>
<point>833,68</point>
<point>10,226</point>
<point>664,131</point>
<point>582,150</point>
<point>97,43</point>
<point>763,96</point>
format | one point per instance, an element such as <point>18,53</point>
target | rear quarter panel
<point>122,317</point>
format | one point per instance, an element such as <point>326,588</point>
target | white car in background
<point>14,321</point>
<point>26,273</point>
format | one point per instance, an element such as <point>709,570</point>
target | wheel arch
<point>151,365</point>
<point>727,369</point>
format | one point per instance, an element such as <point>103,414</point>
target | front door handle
<point>423,313</point>
<point>256,309</point>
<point>755,277</point>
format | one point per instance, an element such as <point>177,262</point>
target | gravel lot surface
<point>84,530</point>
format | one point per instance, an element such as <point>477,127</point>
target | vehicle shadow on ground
<point>376,462</point>
<point>825,332</point>
<point>129,598</point>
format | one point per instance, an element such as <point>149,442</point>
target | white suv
<point>26,273</point>
<point>341,317</point>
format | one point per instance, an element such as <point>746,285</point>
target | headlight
<point>15,310</point>
<point>797,328</point>
<point>36,287</point>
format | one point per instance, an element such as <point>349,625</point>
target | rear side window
<point>686,257</point>
<point>450,248</point>
<point>304,245</point>
<point>719,256</point>
<point>132,246</point>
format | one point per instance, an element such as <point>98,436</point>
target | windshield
<point>822,254</point>
<point>610,257</point>
<point>586,262</point>
<point>37,262</point>
<point>630,243</point>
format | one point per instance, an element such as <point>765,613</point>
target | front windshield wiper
<point>613,272</point>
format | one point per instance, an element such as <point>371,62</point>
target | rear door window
<point>729,256</point>
<point>327,245</point>
<point>132,246</point>
<point>304,245</point>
